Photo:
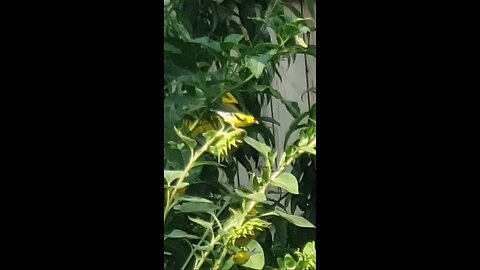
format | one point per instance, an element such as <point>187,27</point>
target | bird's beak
<point>256,122</point>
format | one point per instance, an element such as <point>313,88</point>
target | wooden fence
<point>296,80</point>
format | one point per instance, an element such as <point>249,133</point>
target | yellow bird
<point>235,117</point>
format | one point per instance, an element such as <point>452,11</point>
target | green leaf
<point>208,43</point>
<point>255,66</point>
<point>272,157</point>
<point>196,207</point>
<point>257,196</point>
<point>289,262</point>
<point>189,198</point>
<point>266,133</point>
<point>190,142</point>
<point>170,48</point>
<point>309,150</point>
<point>304,29</point>
<point>202,64</point>
<point>286,181</point>
<point>194,173</point>
<point>290,151</point>
<point>311,50</point>
<point>268,119</point>
<point>242,158</point>
<point>260,147</point>
<point>206,163</point>
<point>294,126</point>
<point>313,112</point>
<point>309,249</point>
<point>201,222</point>
<point>233,38</point>
<point>292,108</point>
<point>228,264</point>
<point>170,176</point>
<point>296,220</point>
<point>180,234</point>
<point>274,92</point>
<point>184,34</point>
<point>257,259</point>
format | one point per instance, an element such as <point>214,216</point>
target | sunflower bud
<point>241,257</point>
<point>227,142</point>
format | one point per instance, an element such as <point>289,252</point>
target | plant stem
<point>193,251</point>
<point>227,202</point>
<point>250,206</point>
<point>205,255</point>
<point>219,262</point>
<point>190,164</point>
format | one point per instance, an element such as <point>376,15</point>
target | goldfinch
<point>237,119</point>
<point>233,117</point>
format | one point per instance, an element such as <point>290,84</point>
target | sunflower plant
<point>220,58</point>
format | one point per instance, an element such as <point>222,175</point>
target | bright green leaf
<point>255,66</point>
<point>257,259</point>
<point>170,176</point>
<point>257,196</point>
<point>260,147</point>
<point>289,262</point>
<point>309,150</point>
<point>296,220</point>
<point>227,265</point>
<point>201,222</point>
<point>233,38</point>
<point>309,249</point>
<point>286,181</point>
